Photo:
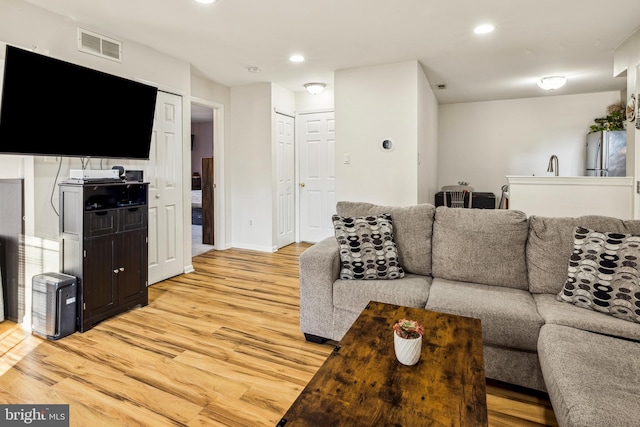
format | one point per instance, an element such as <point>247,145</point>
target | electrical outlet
<point>250,223</point>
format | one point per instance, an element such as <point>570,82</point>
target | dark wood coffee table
<point>362,383</point>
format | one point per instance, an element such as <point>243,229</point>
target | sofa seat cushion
<point>550,245</point>
<point>560,313</point>
<point>480,246</point>
<point>591,378</point>
<point>354,295</point>
<point>412,226</point>
<point>509,316</point>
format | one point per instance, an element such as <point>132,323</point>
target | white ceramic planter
<point>407,350</point>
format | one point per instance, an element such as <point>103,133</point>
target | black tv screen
<point>54,108</point>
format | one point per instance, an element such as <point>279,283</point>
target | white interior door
<point>316,133</point>
<point>164,174</point>
<point>286,172</point>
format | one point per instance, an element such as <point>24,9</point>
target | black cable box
<point>133,176</point>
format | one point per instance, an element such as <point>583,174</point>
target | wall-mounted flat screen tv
<point>54,108</point>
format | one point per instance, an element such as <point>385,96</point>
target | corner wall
<point>373,104</point>
<point>427,140</point>
<point>627,61</point>
<point>251,167</point>
<point>253,163</point>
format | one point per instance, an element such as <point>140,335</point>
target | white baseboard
<point>254,247</point>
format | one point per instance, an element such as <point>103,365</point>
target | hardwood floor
<point>218,347</point>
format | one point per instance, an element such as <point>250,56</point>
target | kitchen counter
<point>572,195</point>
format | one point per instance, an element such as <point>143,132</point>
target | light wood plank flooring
<point>218,347</point>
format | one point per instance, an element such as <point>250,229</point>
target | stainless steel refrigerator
<point>607,153</point>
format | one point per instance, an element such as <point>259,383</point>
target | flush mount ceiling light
<point>207,1</point>
<point>315,88</point>
<point>484,29</point>
<point>552,82</point>
<point>296,58</point>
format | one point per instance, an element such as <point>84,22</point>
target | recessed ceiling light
<point>484,29</point>
<point>253,69</point>
<point>207,1</point>
<point>296,58</point>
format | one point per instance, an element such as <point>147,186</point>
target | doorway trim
<point>219,206</point>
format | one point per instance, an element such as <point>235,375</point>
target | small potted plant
<point>407,341</point>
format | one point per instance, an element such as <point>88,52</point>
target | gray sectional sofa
<point>507,270</point>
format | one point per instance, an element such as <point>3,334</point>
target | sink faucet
<point>552,167</point>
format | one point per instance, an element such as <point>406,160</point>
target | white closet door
<point>285,143</point>
<point>316,133</point>
<point>164,174</point>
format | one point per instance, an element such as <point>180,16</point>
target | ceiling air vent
<point>99,45</point>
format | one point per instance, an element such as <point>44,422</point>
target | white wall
<point>25,25</point>
<point>427,140</point>
<point>218,96</point>
<point>57,37</point>
<point>481,142</point>
<point>251,166</point>
<point>253,163</point>
<point>373,104</point>
<point>627,60</point>
<point>306,101</point>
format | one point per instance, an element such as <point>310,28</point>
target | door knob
<point>121,268</point>
<point>157,196</point>
<point>302,184</point>
<point>116,271</point>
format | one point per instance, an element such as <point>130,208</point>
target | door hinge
<point>638,187</point>
<point>84,253</point>
<point>84,305</point>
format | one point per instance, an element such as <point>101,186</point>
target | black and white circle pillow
<point>367,247</point>
<point>603,274</point>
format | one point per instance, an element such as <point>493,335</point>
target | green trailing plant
<point>613,121</point>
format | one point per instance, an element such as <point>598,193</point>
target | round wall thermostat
<point>387,145</point>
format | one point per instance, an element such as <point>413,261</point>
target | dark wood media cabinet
<point>103,242</point>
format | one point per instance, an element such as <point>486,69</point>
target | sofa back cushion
<point>550,245</point>
<point>484,246</point>
<point>412,226</point>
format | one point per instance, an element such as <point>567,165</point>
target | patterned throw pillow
<point>367,248</point>
<point>604,274</point>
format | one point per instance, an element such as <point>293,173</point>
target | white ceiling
<point>533,38</point>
